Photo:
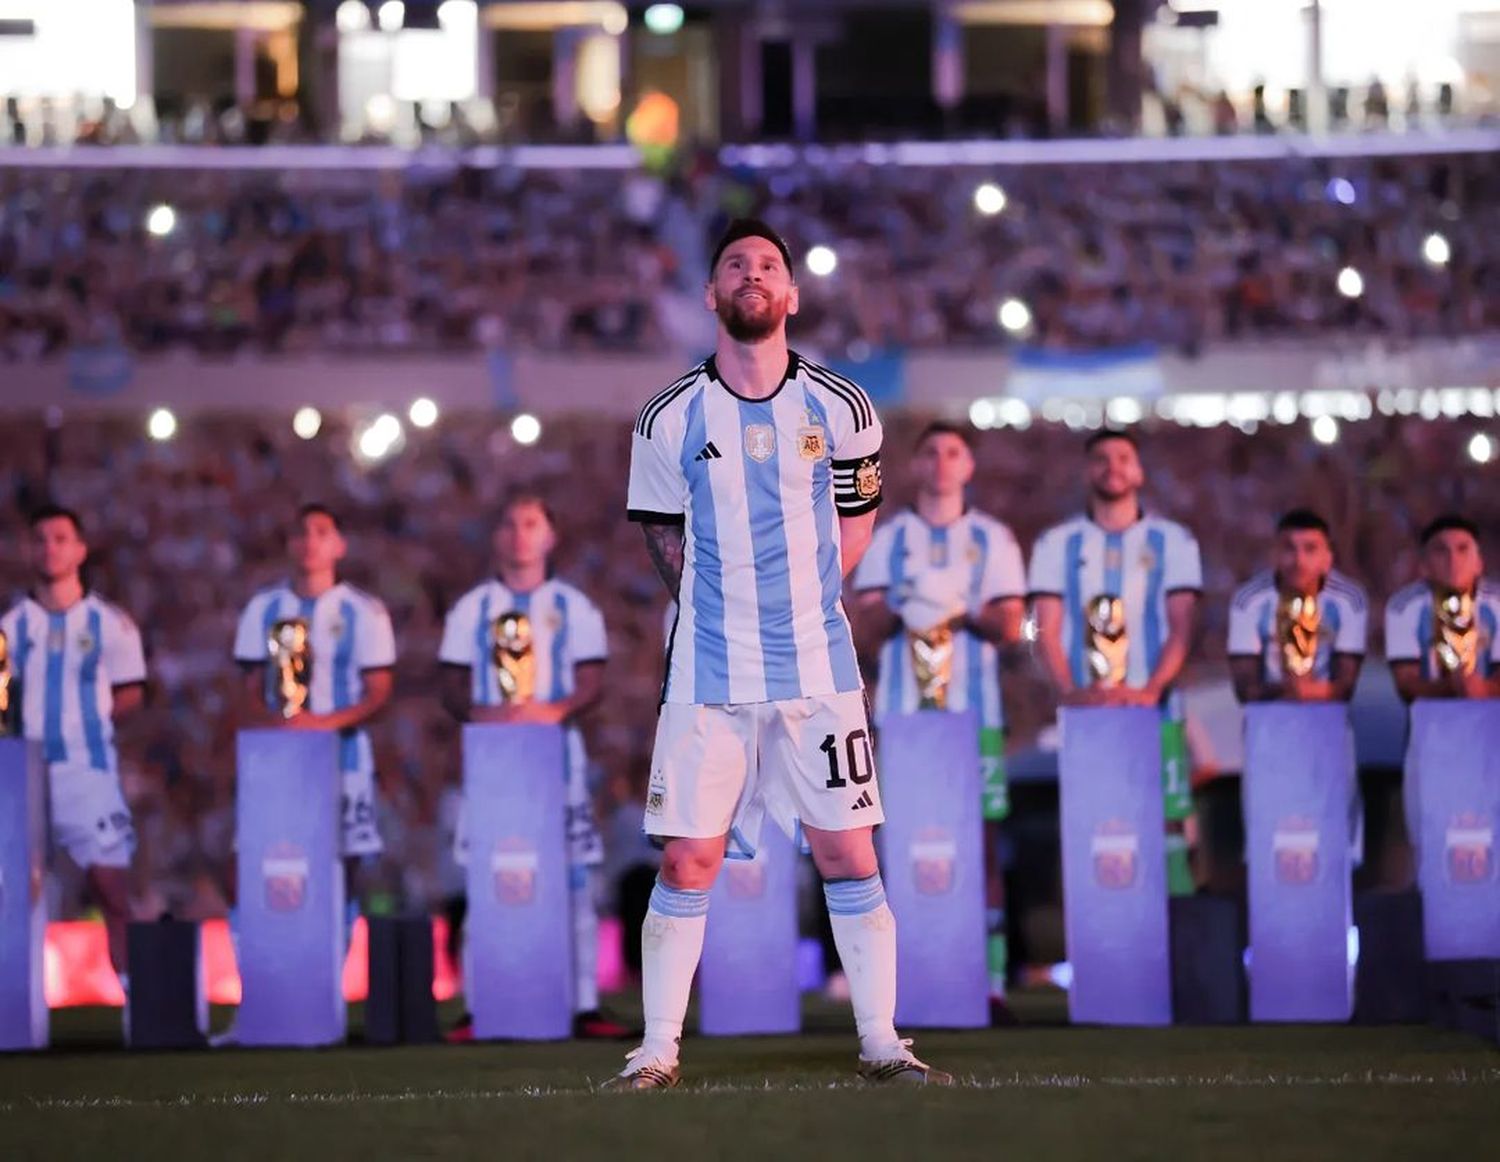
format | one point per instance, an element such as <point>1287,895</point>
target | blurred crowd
<point>221,262</point>
<point>183,533</point>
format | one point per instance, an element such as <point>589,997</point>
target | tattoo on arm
<point>665,544</point>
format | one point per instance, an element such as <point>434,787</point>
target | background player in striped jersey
<point>568,651</point>
<point>79,667</point>
<point>1452,566</point>
<point>757,476</point>
<point>1152,566</point>
<point>353,654</point>
<point>1334,650</point>
<point>941,567</point>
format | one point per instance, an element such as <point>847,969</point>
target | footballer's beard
<point>1108,494</point>
<point>748,321</point>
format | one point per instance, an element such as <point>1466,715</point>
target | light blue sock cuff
<point>854,897</point>
<point>679,903</point>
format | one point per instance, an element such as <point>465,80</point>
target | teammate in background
<point>1442,633</point>
<point>77,667</point>
<point>1116,577</point>
<point>1297,631</point>
<point>353,652</point>
<point>555,674</point>
<point>757,476</point>
<point>940,592</point>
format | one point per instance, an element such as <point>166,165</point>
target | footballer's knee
<point>692,864</point>
<point>844,855</point>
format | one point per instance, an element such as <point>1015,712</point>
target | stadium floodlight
<point>423,413</point>
<point>822,261</point>
<point>161,220</point>
<point>1014,316</point>
<point>307,423</point>
<point>1481,448</point>
<point>352,16</point>
<point>392,15</point>
<point>1325,430</point>
<point>1351,283</point>
<point>526,429</point>
<point>1435,250</point>
<point>161,425</point>
<point>663,19</point>
<point>989,199</point>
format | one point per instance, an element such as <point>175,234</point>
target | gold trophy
<point>1298,618</point>
<point>512,656</point>
<point>932,663</point>
<point>1106,640</point>
<point>6,685</point>
<point>291,655</point>
<point>1455,631</point>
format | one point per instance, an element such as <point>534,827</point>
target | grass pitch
<point>1039,1092</point>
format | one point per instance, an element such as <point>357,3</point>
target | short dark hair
<point>1448,522</point>
<point>54,512</point>
<point>944,428</point>
<point>528,495</point>
<point>750,228</point>
<point>1109,434</point>
<point>318,508</point>
<point>1304,520</point>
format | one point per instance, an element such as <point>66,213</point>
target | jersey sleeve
<point>1402,631</point>
<point>590,642</point>
<point>249,638</point>
<point>1244,629</point>
<point>375,647</point>
<point>459,627</point>
<point>1045,578</point>
<point>874,568</point>
<point>121,650</point>
<point>1354,629</point>
<point>1004,571</point>
<point>1184,564</point>
<point>657,490</point>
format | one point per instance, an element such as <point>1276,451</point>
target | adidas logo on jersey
<point>864,800</point>
<point>709,452</point>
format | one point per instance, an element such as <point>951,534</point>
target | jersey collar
<point>793,366</point>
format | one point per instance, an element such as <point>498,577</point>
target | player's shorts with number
<point>720,770</point>
<point>360,831</point>
<point>89,816</point>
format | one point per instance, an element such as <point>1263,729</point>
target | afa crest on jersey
<point>284,872</point>
<point>513,866</point>
<point>1294,846</point>
<point>811,443</point>
<point>1470,844</point>
<point>1115,848</point>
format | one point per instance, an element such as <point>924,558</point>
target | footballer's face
<point>316,544</point>
<point>1114,470</point>
<point>1451,560</point>
<point>524,537</point>
<point>1303,559</point>
<point>943,464</point>
<point>752,290</point>
<point>56,549</point>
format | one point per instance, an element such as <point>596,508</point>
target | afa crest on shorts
<point>284,872</point>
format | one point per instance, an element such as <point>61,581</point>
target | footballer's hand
<point>540,713</point>
<point>1135,696</point>
<point>493,715</point>
<point>1470,685</point>
<point>308,721</point>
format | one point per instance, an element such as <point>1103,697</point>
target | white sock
<point>671,944</point>
<point>865,933</point>
<point>585,942</point>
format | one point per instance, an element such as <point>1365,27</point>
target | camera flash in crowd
<point>423,413</point>
<point>162,424</point>
<point>1015,316</point>
<point>307,422</point>
<point>1350,283</point>
<point>989,199</point>
<point>1435,250</point>
<point>525,429</point>
<point>1325,430</point>
<point>822,261</point>
<point>161,221</point>
<point>1481,448</point>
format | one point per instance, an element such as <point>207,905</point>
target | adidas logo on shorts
<point>709,452</point>
<point>864,800</point>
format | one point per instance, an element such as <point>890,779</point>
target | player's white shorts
<point>720,770</point>
<point>88,816</point>
<point>585,844</point>
<point>360,834</point>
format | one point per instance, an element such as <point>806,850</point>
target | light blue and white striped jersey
<point>349,632</point>
<point>1409,628</point>
<point>567,630</point>
<point>67,665</point>
<point>964,566</point>
<point>1144,564</point>
<point>759,486</point>
<point>1343,625</point>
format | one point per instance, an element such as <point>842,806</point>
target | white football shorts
<point>719,770</point>
<point>89,817</point>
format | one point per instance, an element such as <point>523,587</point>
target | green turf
<point>1034,1093</point>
